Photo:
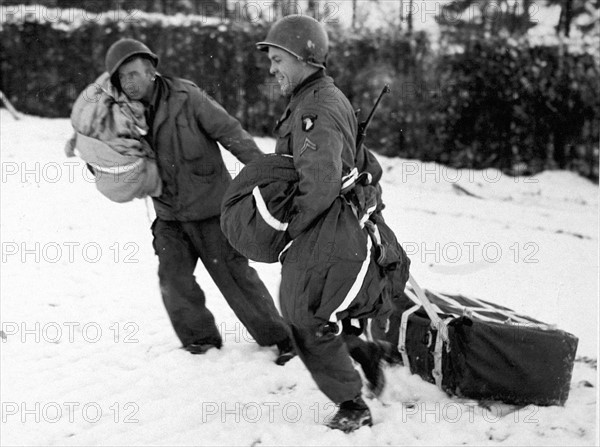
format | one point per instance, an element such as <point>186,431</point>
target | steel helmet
<point>301,36</point>
<point>123,49</point>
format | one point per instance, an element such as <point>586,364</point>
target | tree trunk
<point>568,16</point>
<point>313,8</point>
<point>289,7</point>
<point>410,17</point>
<point>4,100</point>
<point>401,13</point>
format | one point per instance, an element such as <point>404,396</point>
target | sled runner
<point>479,350</point>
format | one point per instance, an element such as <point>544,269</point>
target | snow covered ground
<point>89,357</point>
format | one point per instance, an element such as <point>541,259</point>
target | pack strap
<point>118,169</point>
<point>356,285</point>
<point>436,321</point>
<point>264,212</point>
<point>402,334</point>
<point>437,372</point>
<point>353,178</point>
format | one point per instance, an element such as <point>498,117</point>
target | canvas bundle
<point>109,138</point>
<point>476,349</point>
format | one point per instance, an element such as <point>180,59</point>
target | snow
<point>89,356</point>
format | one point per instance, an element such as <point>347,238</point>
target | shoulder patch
<point>308,145</point>
<point>308,122</point>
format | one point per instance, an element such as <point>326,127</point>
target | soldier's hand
<point>70,146</point>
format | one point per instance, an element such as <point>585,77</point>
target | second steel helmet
<point>301,36</point>
<point>123,49</point>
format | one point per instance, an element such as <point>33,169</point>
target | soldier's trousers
<point>325,354</point>
<point>178,246</point>
<point>327,358</point>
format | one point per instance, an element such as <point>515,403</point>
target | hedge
<point>518,107</point>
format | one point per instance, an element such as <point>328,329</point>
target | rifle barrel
<point>363,126</point>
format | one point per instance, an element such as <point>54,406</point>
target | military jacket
<point>185,131</point>
<point>318,128</point>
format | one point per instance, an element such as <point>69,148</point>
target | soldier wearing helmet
<point>185,125</point>
<point>132,68</point>
<point>318,129</point>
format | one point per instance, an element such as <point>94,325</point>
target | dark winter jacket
<point>186,128</point>
<point>330,270</point>
<point>319,128</point>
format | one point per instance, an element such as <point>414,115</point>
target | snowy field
<point>89,357</point>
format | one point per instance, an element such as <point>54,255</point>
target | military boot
<point>352,415</point>
<point>286,352</point>
<point>200,348</point>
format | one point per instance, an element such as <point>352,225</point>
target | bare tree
<point>312,8</point>
<point>494,16</point>
<point>410,17</point>
<point>291,7</point>
<point>401,13</point>
<point>566,17</point>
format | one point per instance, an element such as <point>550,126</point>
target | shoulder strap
<point>436,321</point>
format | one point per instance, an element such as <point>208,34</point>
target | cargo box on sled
<point>479,350</point>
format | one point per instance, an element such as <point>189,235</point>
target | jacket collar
<point>172,96</point>
<point>316,75</point>
<point>306,85</point>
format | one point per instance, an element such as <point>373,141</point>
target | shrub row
<point>519,107</point>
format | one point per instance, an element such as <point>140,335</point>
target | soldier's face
<point>136,80</point>
<point>288,70</point>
